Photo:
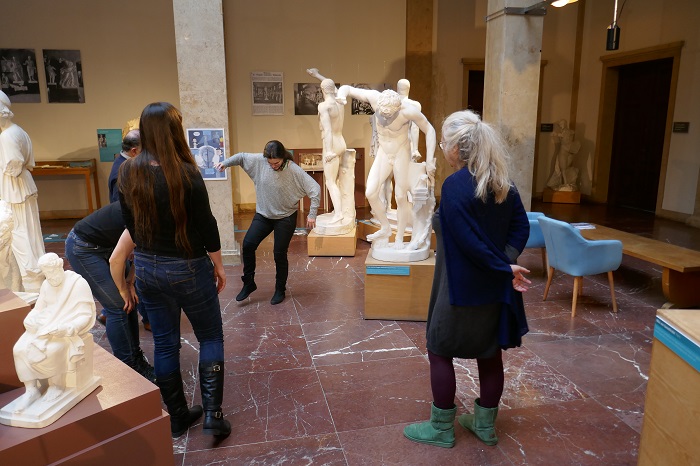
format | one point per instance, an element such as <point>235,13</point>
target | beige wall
<point>128,57</point>
<point>358,41</point>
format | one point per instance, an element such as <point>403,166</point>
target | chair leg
<point>550,275</point>
<point>544,259</point>
<point>578,281</point>
<point>612,290</point>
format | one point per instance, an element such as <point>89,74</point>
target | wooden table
<point>86,168</point>
<point>680,278</point>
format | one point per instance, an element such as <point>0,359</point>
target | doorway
<point>638,136</point>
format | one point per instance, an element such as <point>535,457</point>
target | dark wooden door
<point>638,138</point>
<point>475,93</point>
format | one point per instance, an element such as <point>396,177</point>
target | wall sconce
<point>538,9</point>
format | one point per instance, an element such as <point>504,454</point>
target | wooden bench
<point>680,279</point>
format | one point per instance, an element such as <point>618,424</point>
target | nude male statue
<point>393,122</point>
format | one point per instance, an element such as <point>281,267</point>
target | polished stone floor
<point>310,381</point>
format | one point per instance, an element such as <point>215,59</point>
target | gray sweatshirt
<point>277,193</point>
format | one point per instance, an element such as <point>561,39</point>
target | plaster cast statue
<point>69,74</point>
<point>18,189</point>
<point>10,277</point>
<point>53,357</point>
<point>393,117</point>
<point>338,163</point>
<point>564,176</point>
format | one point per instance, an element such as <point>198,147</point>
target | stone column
<point>511,87</point>
<point>201,69</point>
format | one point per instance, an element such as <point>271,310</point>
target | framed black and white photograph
<point>268,93</point>
<point>64,76</point>
<point>18,75</point>
<point>358,107</point>
<point>307,96</point>
<point>208,148</point>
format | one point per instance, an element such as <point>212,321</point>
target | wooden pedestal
<point>12,313</point>
<point>365,227</point>
<point>561,197</point>
<point>671,431</point>
<point>121,422</point>
<point>398,290</point>
<point>340,245</point>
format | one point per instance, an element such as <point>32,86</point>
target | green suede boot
<point>439,431</point>
<point>481,423</point>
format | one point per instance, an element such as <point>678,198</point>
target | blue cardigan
<point>476,236</point>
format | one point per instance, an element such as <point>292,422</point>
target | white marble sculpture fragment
<point>393,119</point>
<point>564,175</point>
<point>17,188</point>
<point>338,163</point>
<point>53,357</point>
<point>10,278</point>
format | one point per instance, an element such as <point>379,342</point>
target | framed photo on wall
<point>19,79</point>
<point>268,92</point>
<point>64,76</point>
<point>208,148</point>
<point>359,107</point>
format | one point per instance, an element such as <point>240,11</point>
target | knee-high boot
<point>248,286</point>
<point>211,382</point>
<point>181,417</point>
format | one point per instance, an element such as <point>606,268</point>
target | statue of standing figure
<point>564,176</point>
<point>17,188</point>
<point>414,188</point>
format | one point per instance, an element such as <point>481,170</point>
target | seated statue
<point>53,357</point>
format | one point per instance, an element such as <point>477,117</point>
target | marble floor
<point>310,381</point>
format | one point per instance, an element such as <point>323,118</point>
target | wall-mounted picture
<point>307,96</point>
<point>109,143</point>
<point>208,148</point>
<point>268,94</point>
<point>64,76</point>
<point>310,161</point>
<point>18,75</point>
<point>359,107</point>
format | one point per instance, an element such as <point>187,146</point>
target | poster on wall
<point>359,107</point>
<point>18,75</point>
<point>268,95</point>
<point>208,148</point>
<point>307,96</point>
<point>109,143</point>
<point>64,76</point>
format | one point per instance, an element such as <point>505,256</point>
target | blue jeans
<point>259,229</point>
<point>168,284</point>
<point>92,263</point>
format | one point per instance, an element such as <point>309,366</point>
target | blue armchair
<point>571,253</point>
<point>536,240</point>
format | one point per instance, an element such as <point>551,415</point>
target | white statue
<point>53,357</point>
<point>393,118</point>
<point>564,176</point>
<point>18,189</point>
<point>338,163</point>
<point>10,277</point>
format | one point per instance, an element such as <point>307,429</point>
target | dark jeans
<point>259,229</point>
<point>92,263</point>
<point>168,284</point>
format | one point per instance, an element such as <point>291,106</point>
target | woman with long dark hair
<point>177,261</point>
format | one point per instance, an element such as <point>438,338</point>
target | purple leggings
<point>444,383</point>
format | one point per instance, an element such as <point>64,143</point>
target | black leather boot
<point>181,417</point>
<point>248,287</point>
<point>278,297</point>
<point>211,383</point>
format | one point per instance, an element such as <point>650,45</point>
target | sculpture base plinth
<point>561,197</point>
<point>325,227</point>
<point>338,245</point>
<point>122,422</point>
<point>387,253</point>
<point>398,291</point>
<point>365,228</point>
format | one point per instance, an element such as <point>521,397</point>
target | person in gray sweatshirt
<point>279,185</point>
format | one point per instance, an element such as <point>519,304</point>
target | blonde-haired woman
<point>476,306</point>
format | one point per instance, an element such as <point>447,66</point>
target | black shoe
<point>211,384</point>
<point>247,289</point>
<point>278,297</point>
<point>101,318</point>
<point>181,417</point>
<point>142,366</point>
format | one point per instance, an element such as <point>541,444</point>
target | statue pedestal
<point>122,422</point>
<point>561,197</point>
<point>13,311</point>
<point>365,227</point>
<point>398,290</point>
<point>340,245</point>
